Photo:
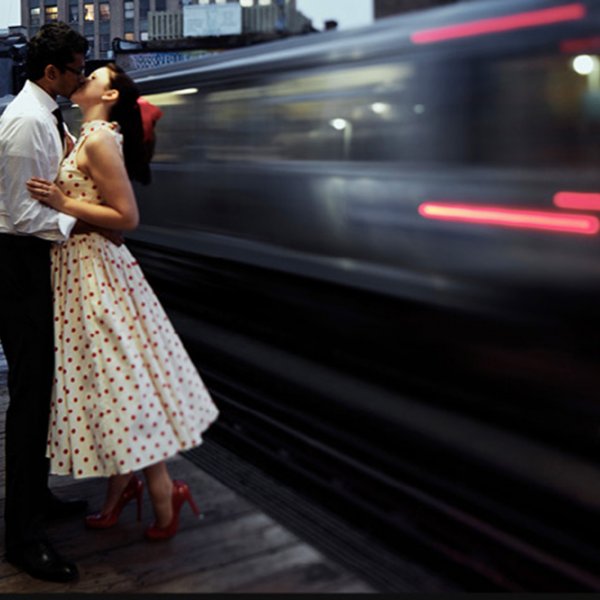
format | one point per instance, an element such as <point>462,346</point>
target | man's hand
<point>112,235</point>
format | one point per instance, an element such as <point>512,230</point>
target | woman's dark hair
<point>54,44</point>
<point>126,112</point>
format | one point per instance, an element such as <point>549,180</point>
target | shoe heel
<point>134,489</point>
<point>193,505</point>
<point>181,494</point>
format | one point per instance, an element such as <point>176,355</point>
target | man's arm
<point>112,235</point>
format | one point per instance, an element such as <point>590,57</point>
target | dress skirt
<point>126,394</point>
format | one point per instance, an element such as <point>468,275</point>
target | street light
<point>345,126</point>
<point>589,67</point>
<point>583,64</point>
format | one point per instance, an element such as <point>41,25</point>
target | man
<point>32,143</point>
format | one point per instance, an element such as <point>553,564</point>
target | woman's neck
<point>95,113</point>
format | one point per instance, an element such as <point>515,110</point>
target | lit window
<point>104,10</point>
<point>264,2</point>
<point>130,36</point>
<point>34,16</point>
<point>51,13</point>
<point>88,12</point>
<point>246,3</point>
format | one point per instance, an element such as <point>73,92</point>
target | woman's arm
<point>102,161</point>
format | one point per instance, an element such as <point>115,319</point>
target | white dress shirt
<point>30,146</point>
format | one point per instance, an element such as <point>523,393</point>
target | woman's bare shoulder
<point>102,137</point>
<point>102,142</point>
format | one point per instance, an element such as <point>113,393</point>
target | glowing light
<point>535,18</point>
<point>505,217</point>
<point>583,64</point>
<point>186,91</point>
<point>380,108</point>
<point>339,124</point>
<point>577,200</point>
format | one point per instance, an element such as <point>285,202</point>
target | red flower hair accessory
<point>150,115</point>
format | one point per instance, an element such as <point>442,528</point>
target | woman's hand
<point>45,191</point>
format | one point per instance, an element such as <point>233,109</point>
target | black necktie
<point>60,125</point>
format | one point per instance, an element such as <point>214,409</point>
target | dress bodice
<point>75,183</point>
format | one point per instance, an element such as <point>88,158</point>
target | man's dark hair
<point>54,44</point>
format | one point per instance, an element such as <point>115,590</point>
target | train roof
<point>333,46</point>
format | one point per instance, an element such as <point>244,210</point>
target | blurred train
<point>382,247</point>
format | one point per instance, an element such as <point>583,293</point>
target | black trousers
<point>26,332</point>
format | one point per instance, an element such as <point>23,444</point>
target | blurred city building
<point>12,52</point>
<point>387,8</point>
<point>102,21</point>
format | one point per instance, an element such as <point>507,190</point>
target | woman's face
<point>95,86</point>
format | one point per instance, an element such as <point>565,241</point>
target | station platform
<point>233,548</point>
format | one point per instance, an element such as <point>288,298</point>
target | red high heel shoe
<point>181,494</point>
<point>133,489</point>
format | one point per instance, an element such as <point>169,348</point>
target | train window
<point>289,117</point>
<point>535,112</point>
<point>513,110</point>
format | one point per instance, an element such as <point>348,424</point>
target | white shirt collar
<point>41,96</point>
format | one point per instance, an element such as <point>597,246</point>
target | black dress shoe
<point>42,561</point>
<point>56,508</point>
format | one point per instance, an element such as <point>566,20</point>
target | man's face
<point>73,76</point>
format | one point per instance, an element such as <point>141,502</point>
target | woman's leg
<point>115,486</point>
<point>160,488</point>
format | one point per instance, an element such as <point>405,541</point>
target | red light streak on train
<point>577,200</point>
<point>514,218</point>
<point>534,18</point>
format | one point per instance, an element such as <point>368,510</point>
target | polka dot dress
<point>126,394</point>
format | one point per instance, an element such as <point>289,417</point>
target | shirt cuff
<point>66,224</point>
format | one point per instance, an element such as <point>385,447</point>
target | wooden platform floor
<point>234,547</point>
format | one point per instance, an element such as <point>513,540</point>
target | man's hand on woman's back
<point>112,235</point>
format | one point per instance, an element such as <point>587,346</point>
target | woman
<point>126,395</point>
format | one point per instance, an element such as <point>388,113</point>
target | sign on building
<point>212,19</point>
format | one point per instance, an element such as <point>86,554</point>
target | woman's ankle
<point>115,486</point>
<point>161,497</point>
